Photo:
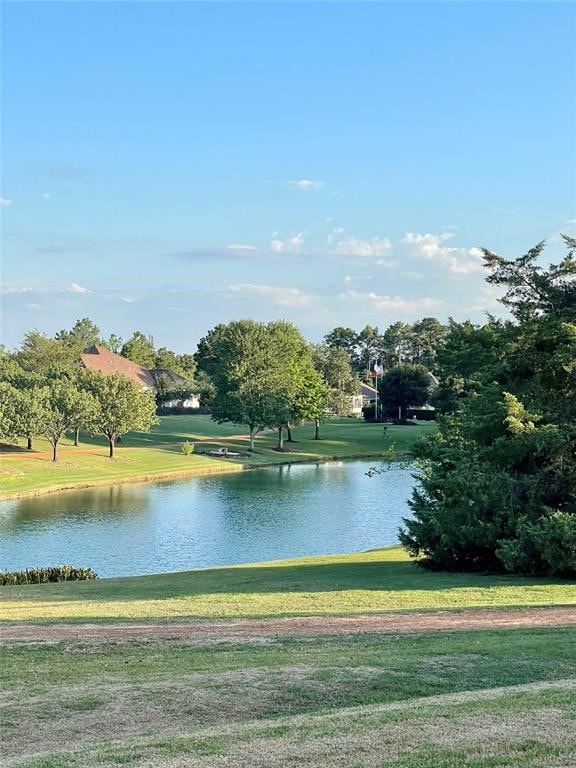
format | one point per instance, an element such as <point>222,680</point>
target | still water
<point>243,517</point>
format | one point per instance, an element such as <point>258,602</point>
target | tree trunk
<point>111,446</point>
<point>54,447</point>
<point>76,435</point>
<point>280,438</point>
<point>317,432</point>
<point>289,428</point>
<point>252,436</point>
<point>29,444</point>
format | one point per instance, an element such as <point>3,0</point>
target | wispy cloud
<point>458,261</point>
<point>4,202</point>
<point>382,303</point>
<point>76,288</point>
<point>281,297</point>
<point>306,184</point>
<point>46,195</point>
<point>357,278</point>
<point>291,244</point>
<point>241,247</point>
<point>127,299</point>
<point>8,288</point>
<point>355,246</point>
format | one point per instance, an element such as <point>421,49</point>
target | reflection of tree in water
<point>282,494</point>
<point>88,503</point>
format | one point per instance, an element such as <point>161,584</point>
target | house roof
<point>171,377</point>
<point>366,390</point>
<point>98,358</point>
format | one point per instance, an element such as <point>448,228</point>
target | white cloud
<point>354,246</point>
<point>127,299</point>
<point>386,263</point>
<point>382,303</point>
<point>458,261</point>
<point>306,184</point>
<point>488,299</point>
<point>34,306</point>
<point>5,202</point>
<point>281,297</point>
<point>570,222</point>
<point>354,278</point>
<point>46,195</point>
<point>75,288</point>
<point>291,244</point>
<point>6,288</point>
<point>241,247</point>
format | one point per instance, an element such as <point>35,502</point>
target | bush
<point>45,575</point>
<point>547,546</point>
<point>187,448</point>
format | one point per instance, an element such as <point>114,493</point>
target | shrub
<point>45,575</point>
<point>187,448</point>
<point>547,546</point>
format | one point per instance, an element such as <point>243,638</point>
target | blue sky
<point>171,165</point>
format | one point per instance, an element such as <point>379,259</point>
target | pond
<point>243,517</point>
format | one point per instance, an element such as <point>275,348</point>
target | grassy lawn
<point>478,699</point>
<point>143,456</point>
<point>363,582</point>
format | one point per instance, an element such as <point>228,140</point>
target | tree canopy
<point>498,483</point>
<point>263,376</point>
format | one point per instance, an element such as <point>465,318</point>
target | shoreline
<point>178,474</point>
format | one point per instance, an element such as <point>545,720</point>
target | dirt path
<point>254,630</point>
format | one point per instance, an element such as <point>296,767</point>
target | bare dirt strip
<point>254,630</point>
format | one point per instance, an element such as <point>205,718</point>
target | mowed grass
<point>364,582</point>
<point>144,456</point>
<point>482,699</point>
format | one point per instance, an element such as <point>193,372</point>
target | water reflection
<point>265,514</point>
<point>92,502</point>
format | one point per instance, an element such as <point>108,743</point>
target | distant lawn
<point>142,456</point>
<point>364,582</point>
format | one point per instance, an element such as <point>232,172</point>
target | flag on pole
<point>376,370</point>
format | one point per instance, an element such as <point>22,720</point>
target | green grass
<point>477,699</point>
<point>364,582</point>
<point>143,456</point>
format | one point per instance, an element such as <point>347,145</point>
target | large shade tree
<point>263,376</point>
<point>60,406</point>
<point>121,406</point>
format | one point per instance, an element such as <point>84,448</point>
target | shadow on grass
<point>322,577</point>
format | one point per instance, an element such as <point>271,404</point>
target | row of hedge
<point>45,575</point>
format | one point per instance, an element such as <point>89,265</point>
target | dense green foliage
<point>120,406</point>
<point>498,483</point>
<point>46,575</point>
<point>403,386</point>
<point>264,376</point>
<point>417,344</point>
